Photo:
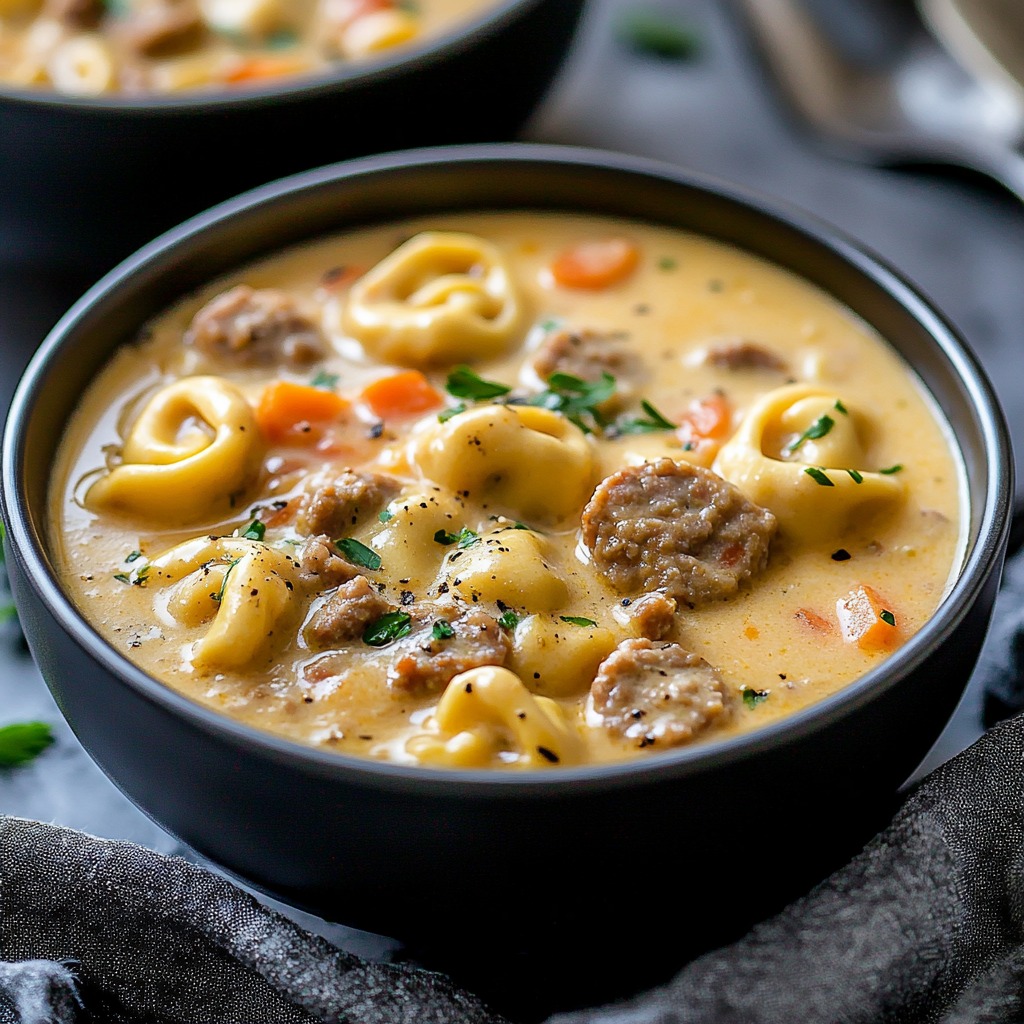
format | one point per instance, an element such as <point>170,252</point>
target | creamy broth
<point>101,47</point>
<point>556,573</point>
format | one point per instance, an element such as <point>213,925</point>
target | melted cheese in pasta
<point>456,501</point>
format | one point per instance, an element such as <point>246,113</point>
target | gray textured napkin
<point>925,926</point>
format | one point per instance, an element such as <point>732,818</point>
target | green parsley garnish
<point>654,421</point>
<point>855,476</point>
<point>465,383</point>
<point>254,531</point>
<point>655,33</point>
<point>464,538</point>
<point>889,470</point>
<point>577,620</point>
<point>21,742</point>
<point>887,616</point>
<point>219,596</point>
<point>576,399</point>
<point>389,627</point>
<point>753,697</point>
<point>136,578</point>
<point>283,39</point>
<point>327,381</point>
<point>819,428</point>
<point>132,556</point>
<point>8,612</point>
<point>818,476</point>
<point>841,408</point>
<point>667,263</point>
<point>385,515</point>
<point>442,630</point>
<point>358,553</point>
<point>550,325</point>
<point>508,620</point>
<point>445,415</point>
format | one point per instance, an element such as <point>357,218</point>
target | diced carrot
<point>708,418</point>
<point>866,620</point>
<point>402,394</point>
<point>258,68</point>
<point>287,411</point>
<point>596,263</point>
<point>813,620</point>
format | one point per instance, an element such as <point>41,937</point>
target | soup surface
<point>508,490</point>
<point>100,47</point>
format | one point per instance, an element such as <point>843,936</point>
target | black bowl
<point>87,181</point>
<point>541,865</point>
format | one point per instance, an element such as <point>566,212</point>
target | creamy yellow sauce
<point>102,47</point>
<point>777,644</point>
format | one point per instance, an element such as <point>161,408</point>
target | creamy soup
<point>508,490</point>
<point>100,47</point>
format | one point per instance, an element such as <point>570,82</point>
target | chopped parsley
<point>465,383</point>
<point>839,407</point>
<point>327,381</point>
<point>818,476</point>
<point>283,39</point>
<point>464,538</point>
<point>8,612</point>
<point>385,515</point>
<point>508,620</point>
<point>655,33</point>
<point>445,415</point>
<point>133,556</point>
<point>442,630</point>
<point>576,399</point>
<point>136,578</point>
<point>389,627</point>
<point>254,531</point>
<point>667,263</point>
<point>753,697</point>
<point>819,428</point>
<point>358,553</point>
<point>889,470</point>
<point>855,476</point>
<point>887,617</point>
<point>577,620</point>
<point>654,421</point>
<point>23,741</point>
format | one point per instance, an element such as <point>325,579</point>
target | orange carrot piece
<point>286,410</point>
<point>258,68</point>
<point>708,418</point>
<point>812,619</point>
<point>402,394</point>
<point>866,620</point>
<point>596,263</point>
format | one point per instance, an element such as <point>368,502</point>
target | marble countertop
<point>958,240</point>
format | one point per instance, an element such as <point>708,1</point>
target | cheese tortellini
<point>487,716</point>
<point>530,462</point>
<point>798,452</point>
<point>244,586</point>
<point>194,445</point>
<point>441,297</point>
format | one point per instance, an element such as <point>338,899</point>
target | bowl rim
<point>341,74</point>
<point>983,558</point>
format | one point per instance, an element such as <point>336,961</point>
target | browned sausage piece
<point>335,506</point>
<point>161,28</point>
<point>429,664</point>
<point>677,528</point>
<point>744,355</point>
<point>79,14</point>
<point>253,326</point>
<point>654,615</point>
<point>345,614</point>
<point>320,565</point>
<point>658,693</point>
<point>586,354</point>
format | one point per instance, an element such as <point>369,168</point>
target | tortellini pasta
<point>798,453</point>
<point>529,461</point>
<point>194,445</point>
<point>555,656</point>
<point>406,543</point>
<point>487,716</point>
<point>245,586</point>
<point>441,297</point>
<point>506,565</point>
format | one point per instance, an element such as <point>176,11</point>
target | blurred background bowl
<point>680,852</point>
<point>84,182</point>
